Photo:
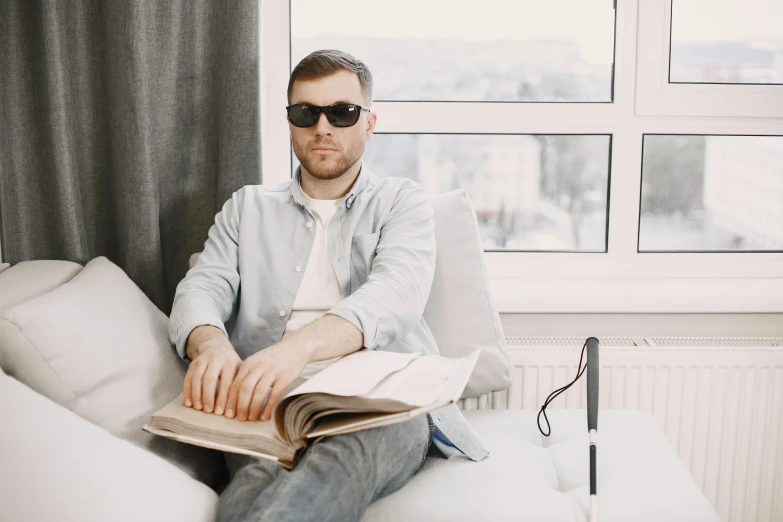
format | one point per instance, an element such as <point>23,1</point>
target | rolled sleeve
<point>207,294</point>
<point>392,300</point>
<point>362,318</point>
<point>196,312</point>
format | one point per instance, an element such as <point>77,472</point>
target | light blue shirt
<point>382,247</point>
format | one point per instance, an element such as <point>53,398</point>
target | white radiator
<point>718,401</point>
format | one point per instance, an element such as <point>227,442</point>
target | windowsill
<point>633,295</point>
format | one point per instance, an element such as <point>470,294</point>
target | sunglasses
<point>339,115</point>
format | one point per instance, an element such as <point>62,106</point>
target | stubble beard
<point>332,168</point>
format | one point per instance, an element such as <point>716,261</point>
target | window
<point>710,58</point>
<point>726,41</point>
<point>534,193</point>
<point>712,193</point>
<point>531,192</point>
<point>495,50</point>
<point>591,171</point>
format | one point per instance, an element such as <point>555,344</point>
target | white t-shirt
<point>320,289</point>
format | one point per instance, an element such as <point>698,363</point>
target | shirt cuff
<point>183,328</point>
<point>364,320</point>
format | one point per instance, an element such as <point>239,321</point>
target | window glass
<point>712,193</point>
<point>531,192</point>
<point>727,41</point>
<point>494,50</point>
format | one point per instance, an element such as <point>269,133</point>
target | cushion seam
<point>37,351</point>
<point>554,466</point>
<point>8,308</point>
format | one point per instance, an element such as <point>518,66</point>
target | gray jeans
<point>335,479</point>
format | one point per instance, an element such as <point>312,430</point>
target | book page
<point>341,424</point>
<point>447,393</point>
<point>200,420</point>
<point>419,384</point>
<point>355,374</point>
<point>459,378</point>
<point>215,445</point>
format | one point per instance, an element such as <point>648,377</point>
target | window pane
<point>532,193</point>
<point>712,193</point>
<point>494,50</point>
<point>727,41</point>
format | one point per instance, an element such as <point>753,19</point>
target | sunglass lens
<point>303,115</point>
<point>343,115</point>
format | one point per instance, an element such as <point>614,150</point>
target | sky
<point>727,20</point>
<point>588,22</point>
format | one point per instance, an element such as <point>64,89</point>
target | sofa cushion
<point>30,279</point>
<point>98,346</point>
<point>530,478</point>
<point>460,311</point>
<point>57,466</point>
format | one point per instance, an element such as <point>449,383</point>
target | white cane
<point>591,345</point>
<point>592,419</point>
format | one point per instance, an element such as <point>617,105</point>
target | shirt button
<point>309,224</point>
<point>298,268</point>
<point>281,313</point>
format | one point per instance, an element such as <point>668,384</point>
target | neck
<point>329,188</point>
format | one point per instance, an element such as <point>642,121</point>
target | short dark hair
<point>329,61</point>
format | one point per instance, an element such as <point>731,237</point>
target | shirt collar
<point>360,184</point>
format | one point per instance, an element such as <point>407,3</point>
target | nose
<point>322,126</point>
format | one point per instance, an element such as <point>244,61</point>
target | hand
<point>270,371</point>
<point>215,359</point>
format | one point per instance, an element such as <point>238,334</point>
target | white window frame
<point>618,281</point>
<point>656,96</point>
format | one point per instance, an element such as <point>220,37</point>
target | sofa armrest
<point>58,466</point>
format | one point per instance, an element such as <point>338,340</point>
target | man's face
<point>325,151</point>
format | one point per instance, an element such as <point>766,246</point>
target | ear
<point>371,119</point>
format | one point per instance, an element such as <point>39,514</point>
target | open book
<point>360,391</point>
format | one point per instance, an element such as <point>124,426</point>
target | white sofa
<point>86,359</point>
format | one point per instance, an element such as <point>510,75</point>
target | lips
<point>322,147</point>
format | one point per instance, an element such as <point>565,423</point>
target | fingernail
<point>198,405</point>
<point>207,409</point>
<point>218,411</point>
<point>230,413</point>
<point>188,403</point>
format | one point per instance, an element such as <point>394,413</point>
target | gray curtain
<point>124,127</point>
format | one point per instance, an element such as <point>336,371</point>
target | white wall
<point>642,325</point>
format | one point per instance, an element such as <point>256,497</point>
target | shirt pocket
<point>362,255</point>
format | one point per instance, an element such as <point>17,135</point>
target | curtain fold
<point>124,127</point>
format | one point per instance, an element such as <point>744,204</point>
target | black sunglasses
<point>339,115</point>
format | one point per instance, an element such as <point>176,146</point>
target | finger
<point>259,395</point>
<point>233,392</point>
<point>246,392</point>
<point>186,387</point>
<point>209,386</point>
<point>274,396</point>
<point>195,383</point>
<point>226,379</point>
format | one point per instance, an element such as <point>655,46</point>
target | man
<point>331,262</point>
